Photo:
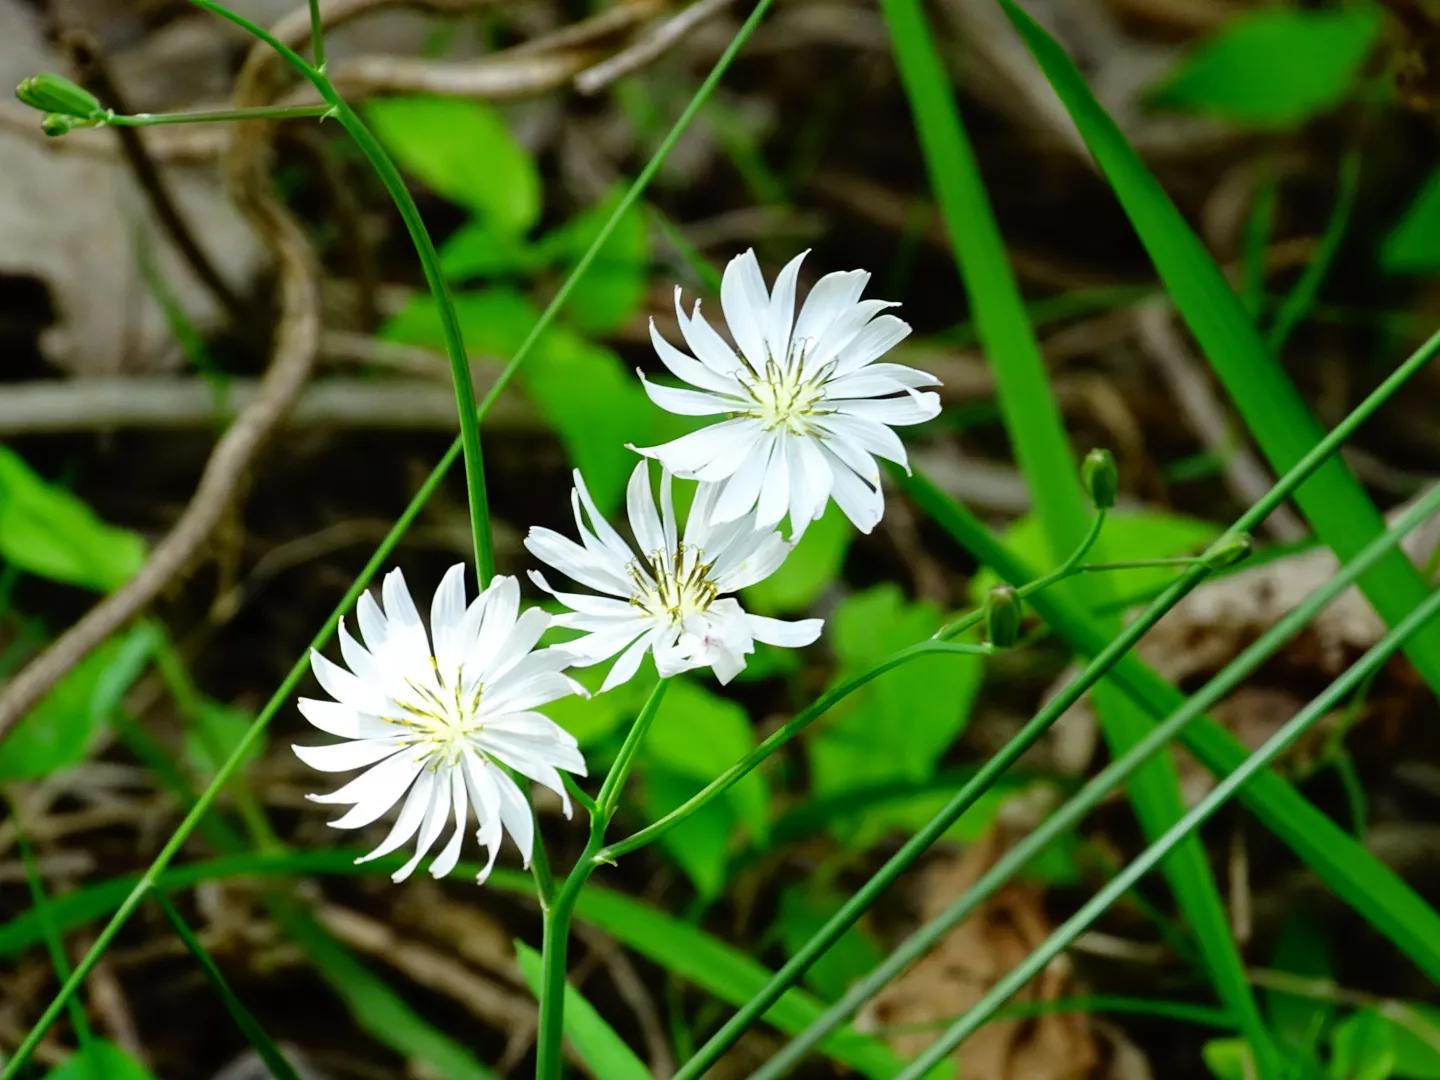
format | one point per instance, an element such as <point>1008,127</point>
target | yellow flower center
<point>439,722</point>
<point>784,397</point>
<point>672,586</point>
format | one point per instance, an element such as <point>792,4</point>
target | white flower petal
<point>869,343</point>
<point>640,504</point>
<point>877,380</point>
<point>342,757</point>
<point>862,503</point>
<point>516,815</point>
<point>447,618</point>
<point>746,303</point>
<point>788,634</point>
<point>843,333</point>
<point>913,408</point>
<point>607,536</point>
<point>624,668</point>
<point>865,434</point>
<point>712,453</point>
<point>450,854</point>
<point>739,493</point>
<point>688,402</point>
<point>574,561</point>
<point>411,814</point>
<point>375,791</point>
<point>833,295</point>
<point>692,371</point>
<point>780,316</point>
<point>406,638</point>
<point>345,687</point>
<point>436,812</point>
<point>335,718</point>
<point>775,489</point>
<point>709,347</point>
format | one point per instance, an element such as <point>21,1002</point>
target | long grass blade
<point>1333,500</point>
<point>244,1019</point>
<point>1032,419</point>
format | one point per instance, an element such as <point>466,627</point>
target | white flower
<point>440,722</point>
<point>671,598</point>
<point>807,407</point>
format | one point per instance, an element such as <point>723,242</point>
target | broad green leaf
<point>479,250</point>
<point>1413,245</point>
<point>898,726</point>
<point>59,731</point>
<point>1303,949</point>
<point>101,1059</point>
<point>813,565</point>
<point>1362,1049</point>
<point>695,735</point>
<point>1273,66</point>
<point>47,531</point>
<point>594,1040</point>
<point>804,909</point>
<point>613,289</point>
<point>464,151</point>
<point>587,395</point>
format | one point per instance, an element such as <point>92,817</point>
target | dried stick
<point>650,47</point>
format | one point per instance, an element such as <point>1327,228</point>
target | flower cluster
<point>443,721</point>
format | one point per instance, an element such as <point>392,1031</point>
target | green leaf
<point>1299,1021</point>
<point>47,531</point>
<point>898,726</point>
<point>813,565</point>
<point>613,290</point>
<point>594,1040</point>
<point>695,734</point>
<point>59,731</point>
<point>592,400</point>
<point>464,151</point>
<point>1229,1059</point>
<point>1415,1036</point>
<point>479,250</point>
<point>1361,1048</point>
<point>804,909</point>
<point>1413,245</point>
<point>101,1060</point>
<point>1273,66</point>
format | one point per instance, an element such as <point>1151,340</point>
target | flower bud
<point>56,94</point>
<point>1100,478</point>
<point>56,125</point>
<point>1228,550</point>
<point>1002,616</point>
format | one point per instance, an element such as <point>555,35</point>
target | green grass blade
<point>1356,876</point>
<point>1032,419</point>
<point>54,943</point>
<point>1332,500</point>
<point>244,1019</point>
<point>1301,298</point>
<point>596,1042</point>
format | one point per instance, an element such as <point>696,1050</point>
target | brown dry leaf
<point>967,962</point>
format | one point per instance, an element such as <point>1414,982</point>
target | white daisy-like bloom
<point>669,595</point>
<point>807,407</point>
<point>433,718</point>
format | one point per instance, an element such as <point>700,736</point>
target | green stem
<point>1098,788</point>
<point>264,112</point>
<point>558,915</point>
<point>429,261</point>
<point>317,35</point>
<point>1183,561</point>
<point>1078,923</point>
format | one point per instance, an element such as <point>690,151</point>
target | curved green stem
<point>317,35</point>
<point>219,116</point>
<point>560,912</point>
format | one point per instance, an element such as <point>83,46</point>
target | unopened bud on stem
<point>1228,550</point>
<point>59,96</point>
<point>1002,617</point>
<point>1100,478</point>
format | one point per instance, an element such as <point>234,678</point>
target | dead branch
<point>653,45</point>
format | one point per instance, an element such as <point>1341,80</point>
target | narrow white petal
<point>667,509</point>
<point>833,295</point>
<point>497,623</point>
<point>434,821</point>
<point>738,494</point>
<point>392,773</point>
<point>780,632</point>
<point>780,317</point>
<point>869,343</point>
<point>746,303</point>
<point>535,768</point>
<point>758,563</point>
<point>878,380</point>
<point>411,814</point>
<point>450,854</point>
<point>865,434</point>
<point>692,371</point>
<point>523,637</point>
<point>625,667</point>
<point>372,622</point>
<point>702,508</point>
<point>345,687</point>
<point>843,332</point>
<point>604,531</point>
<point>342,757</point>
<point>913,408</point>
<point>342,721</point>
<point>574,561</point>
<point>480,780</point>
<point>775,489</point>
<point>364,666</point>
<point>640,505</point>
<point>710,454</point>
<point>688,402</point>
<point>862,503</point>
<point>516,815</point>
<point>709,347</point>
<point>406,639</point>
<point>383,791</point>
<point>447,619</point>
